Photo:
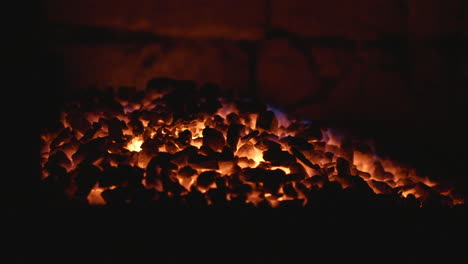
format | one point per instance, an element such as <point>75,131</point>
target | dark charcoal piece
<point>240,191</point>
<point>58,176</point>
<point>86,176</point>
<point>78,122</point>
<point>183,100</point>
<point>266,144</point>
<point>226,154</point>
<point>183,156</point>
<point>195,199</point>
<point>217,197</point>
<point>249,136</point>
<point>187,172</point>
<point>410,201</point>
<point>289,190</point>
<point>150,147</point>
<point>297,168</point>
<point>117,196</point>
<point>124,174</point>
<point>279,158</point>
<point>207,151</point>
<point>199,161</point>
<point>159,166</point>
<point>213,139</point>
<point>254,174</point>
<point>205,179</point>
<point>316,181</point>
<point>347,150</point>
<point>91,151</point>
<point>297,172</point>
<point>233,118</point>
<point>115,129</point>
<point>59,158</point>
<point>171,147</point>
<point>273,180</point>
<point>210,106</point>
<point>382,187</point>
<point>297,142</point>
<point>233,135</point>
<point>185,137</point>
<point>221,183</point>
<point>136,126</point>
<point>342,167</point>
<point>61,137</point>
<point>89,134</point>
<point>309,131</point>
<point>298,154</point>
<point>359,185</point>
<point>267,120</point>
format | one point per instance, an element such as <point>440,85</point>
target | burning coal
<point>187,144</point>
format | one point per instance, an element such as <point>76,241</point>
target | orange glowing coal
<point>177,141</point>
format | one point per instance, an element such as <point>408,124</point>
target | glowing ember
<point>135,144</point>
<point>188,145</point>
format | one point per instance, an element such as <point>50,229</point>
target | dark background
<point>436,146</point>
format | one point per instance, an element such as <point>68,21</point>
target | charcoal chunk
<point>266,144</point>
<point>89,134</point>
<point>91,151</point>
<point>61,137</point>
<point>233,118</point>
<point>78,121</point>
<point>185,137</point>
<point>267,120</point>
<point>254,174</point>
<point>213,139</point>
<point>150,147</point>
<point>187,172</point>
<point>195,199</point>
<point>343,167</point>
<point>123,174</point>
<point>233,135</point>
<point>273,180</point>
<point>205,179</point>
<point>298,154</point>
<point>217,197</point>
<point>226,154</point>
<point>171,147</point>
<point>381,187</point>
<point>115,129</point>
<point>297,142</point>
<point>309,131</point>
<point>86,177</point>
<point>199,161</point>
<point>117,196</point>
<point>278,157</point>
<point>250,136</point>
<point>289,190</point>
<point>59,158</point>
<point>136,126</point>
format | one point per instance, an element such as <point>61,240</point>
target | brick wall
<point>336,59</point>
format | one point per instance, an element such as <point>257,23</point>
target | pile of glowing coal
<point>176,141</point>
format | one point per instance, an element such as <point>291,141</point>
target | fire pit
<point>177,143</point>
